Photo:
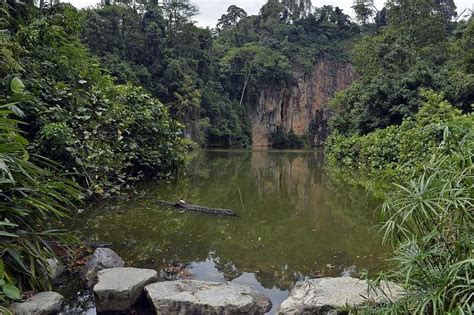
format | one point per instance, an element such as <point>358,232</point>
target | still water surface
<point>294,222</point>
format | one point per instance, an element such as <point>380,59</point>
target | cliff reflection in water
<point>293,220</point>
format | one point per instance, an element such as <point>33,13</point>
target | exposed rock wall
<point>302,107</point>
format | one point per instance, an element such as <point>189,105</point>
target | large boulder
<point>43,303</point>
<point>119,288</point>
<point>199,297</point>
<point>103,258</point>
<point>321,296</point>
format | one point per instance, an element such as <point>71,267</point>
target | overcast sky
<point>211,10</point>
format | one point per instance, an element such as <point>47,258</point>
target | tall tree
<point>231,18</point>
<point>424,22</point>
<point>178,13</point>
<point>296,10</point>
<point>363,13</point>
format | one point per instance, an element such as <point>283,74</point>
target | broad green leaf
<point>17,86</point>
<point>11,292</point>
<point>2,269</point>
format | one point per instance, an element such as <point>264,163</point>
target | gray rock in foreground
<point>103,258</point>
<point>199,297</point>
<point>43,303</point>
<point>55,269</point>
<point>319,296</point>
<point>120,288</point>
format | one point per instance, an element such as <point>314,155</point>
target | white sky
<point>211,10</point>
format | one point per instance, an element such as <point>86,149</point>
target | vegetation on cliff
<point>212,79</point>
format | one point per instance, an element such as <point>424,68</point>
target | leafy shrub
<point>104,134</point>
<point>281,139</point>
<point>55,138</point>
<point>406,147</point>
<point>33,203</point>
<point>229,125</point>
<point>429,221</point>
<point>429,214</point>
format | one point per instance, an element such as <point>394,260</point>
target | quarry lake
<point>293,222</point>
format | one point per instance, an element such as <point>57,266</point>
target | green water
<point>294,221</point>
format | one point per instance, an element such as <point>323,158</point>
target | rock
<point>120,288</point>
<point>103,258</point>
<point>55,269</point>
<point>40,304</point>
<point>321,296</point>
<point>349,271</point>
<point>300,108</point>
<point>199,297</point>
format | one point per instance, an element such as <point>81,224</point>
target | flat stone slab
<point>200,297</point>
<point>319,296</point>
<point>43,303</point>
<point>119,288</point>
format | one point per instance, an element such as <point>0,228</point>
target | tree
<point>252,61</point>
<point>178,13</point>
<point>381,18</point>
<point>328,14</point>
<point>296,10</point>
<point>423,22</point>
<point>363,13</point>
<point>233,16</point>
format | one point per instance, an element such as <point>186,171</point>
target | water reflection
<point>294,221</point>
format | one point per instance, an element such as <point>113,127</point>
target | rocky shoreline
<point>117,288</point>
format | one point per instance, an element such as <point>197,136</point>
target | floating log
<point>187,207</point>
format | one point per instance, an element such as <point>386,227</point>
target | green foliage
<point>105,135</point>
<point>409,120</point>
<point>406,147</point>
<point>363,13</point>
<point>229,125</point>
<point>415,51</point>
<point>256,67</point>
<point>428,214</point>
<point>34,202</point>
<point>231,18</point>
<point>429,221</point>
<point>282,140</point>
<point>161,49</point>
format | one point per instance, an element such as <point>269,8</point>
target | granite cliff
<point>301,108</point>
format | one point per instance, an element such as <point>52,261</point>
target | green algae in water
<point>294,221</point>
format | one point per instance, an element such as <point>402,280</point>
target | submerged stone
<point>199,297</point>
<point>119,288</point>
<point>103,258</point>
<point>43,303</point>
<point>320,296</point>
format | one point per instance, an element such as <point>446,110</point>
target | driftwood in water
<point>187,207</point>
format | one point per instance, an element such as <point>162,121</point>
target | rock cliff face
<point>301,108</point>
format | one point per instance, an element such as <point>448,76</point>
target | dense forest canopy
<point>211,78</point>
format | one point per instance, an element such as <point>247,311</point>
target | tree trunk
<point>243,90</point>
<point>187,207</point>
